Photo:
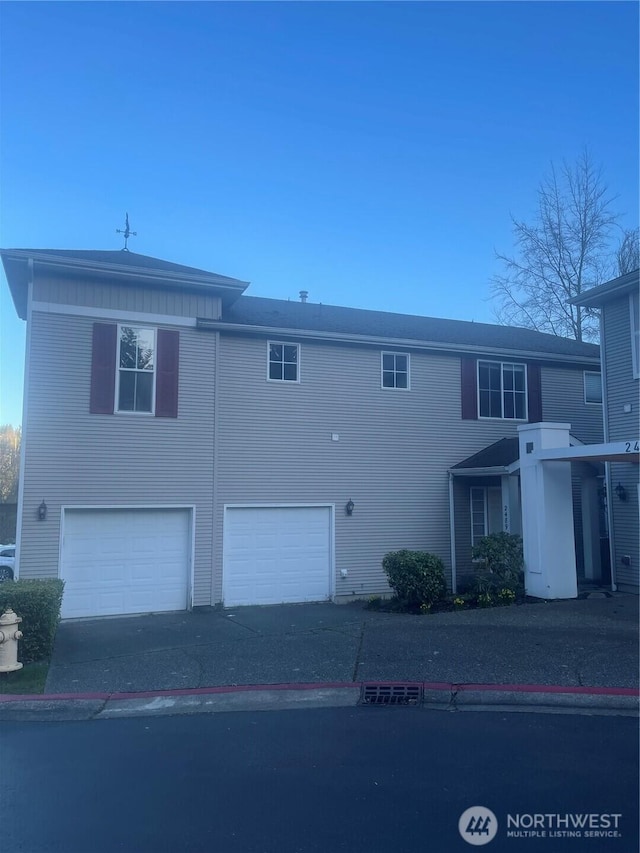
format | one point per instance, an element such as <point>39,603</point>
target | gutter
<point>607,465</point>
<point>25,421</point>
<point>495,471</point>
<point>452,538</point>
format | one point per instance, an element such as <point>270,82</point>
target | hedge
<point>38,602</point>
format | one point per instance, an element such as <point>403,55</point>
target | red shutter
<point>103,369</point>
<point>469,388</point>
<point>534,390</point>
<point>167,374</point>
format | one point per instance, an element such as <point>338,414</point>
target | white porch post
<point>547,513</point>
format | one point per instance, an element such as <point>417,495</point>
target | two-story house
<point>185,444</point>
<point>618,301</point>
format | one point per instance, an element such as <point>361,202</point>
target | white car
<point>7,562</point>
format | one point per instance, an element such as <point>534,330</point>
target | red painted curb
<point>246,688</point>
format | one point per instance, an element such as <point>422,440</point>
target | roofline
<point>379,340</point>
<point>511,468</point>
<point>207,279</point>
<point>598,295</point>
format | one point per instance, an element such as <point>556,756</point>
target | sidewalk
<point>551,650</point>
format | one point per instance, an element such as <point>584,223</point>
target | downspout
<point>23,431</point>
<point>607,465</point>
<point>215,540</point>
<point>452,537</point>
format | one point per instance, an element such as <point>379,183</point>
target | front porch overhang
<point>612,451</point>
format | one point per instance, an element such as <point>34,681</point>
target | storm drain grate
<point>391,694</point>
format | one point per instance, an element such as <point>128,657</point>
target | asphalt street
<point>317,781</point>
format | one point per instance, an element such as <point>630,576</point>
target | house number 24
<point>628,448</point>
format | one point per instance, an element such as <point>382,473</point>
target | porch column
<point>547,514</point>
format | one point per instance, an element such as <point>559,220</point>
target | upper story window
<point>502,390</point>
<point>395,370</point>
<point>284,362</point>
<point>592,387</point>
<point>136,369</point>
<point>634,307</point>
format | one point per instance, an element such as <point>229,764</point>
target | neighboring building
<point>617,301</point>
<point>189,445</point>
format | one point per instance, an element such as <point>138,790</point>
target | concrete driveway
<point>591,642</point>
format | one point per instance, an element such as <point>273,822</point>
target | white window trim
<point>485,506</point>
<point>526,389</point>
<point>395,387</point>
<point>635,337</point>
<point>483,489</point>
<point>117,408</point>
<point>584,381</point>
<point>283,381</point>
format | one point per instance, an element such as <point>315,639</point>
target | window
<point>486,512</point>
<point>126,361</point>
<point>283,362</point>
<point>395,370</point>
<point>592,387</point>
<point>634,307</point>
<point>136,369</point>
<point>502,390</point>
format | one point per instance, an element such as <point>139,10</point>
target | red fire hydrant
<point>9,636</point>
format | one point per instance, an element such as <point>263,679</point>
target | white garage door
<point>274,555</point>
<point>124,561</point>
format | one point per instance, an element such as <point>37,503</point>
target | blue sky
<point>370,153</point>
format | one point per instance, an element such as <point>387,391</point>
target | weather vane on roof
<point>127,232</point>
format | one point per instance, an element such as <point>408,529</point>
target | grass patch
<point>30,679</point>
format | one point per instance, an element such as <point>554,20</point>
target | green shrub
<point>499,572</point>
<point>38,602</point>
<point>416,577</point>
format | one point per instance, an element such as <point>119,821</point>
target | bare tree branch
<point>628,254</point>
<point>562,253</point>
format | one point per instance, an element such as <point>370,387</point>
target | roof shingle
<point>278,313</point>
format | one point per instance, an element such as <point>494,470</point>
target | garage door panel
<point>276,555</point>
<point>124,561</point>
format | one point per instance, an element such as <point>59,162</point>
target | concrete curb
<point>256,697</point>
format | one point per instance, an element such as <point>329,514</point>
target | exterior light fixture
<point>621,492</point>
<point>349,507</point>
<point>42,511</point>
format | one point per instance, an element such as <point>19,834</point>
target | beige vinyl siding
<point>622,388</point>
<point>392,457</point>
<point>625,526</point>
<point>125,297</point>
<point>75,458</point>
<point>563,402</point>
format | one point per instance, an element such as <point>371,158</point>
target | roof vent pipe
<point>304,295</point>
